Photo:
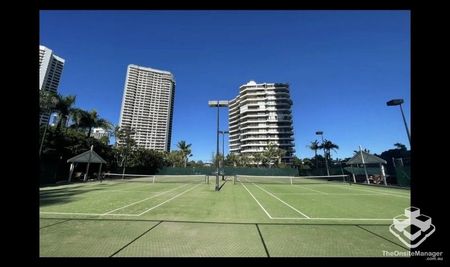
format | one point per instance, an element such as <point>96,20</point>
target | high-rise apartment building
<point>261,115</point>
<point>50,70</point>
<point>147,106</point>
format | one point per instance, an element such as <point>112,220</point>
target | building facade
<point>147,106</point>
<point>50,70</point>
<point>261,116</point>
<point>98,133</point>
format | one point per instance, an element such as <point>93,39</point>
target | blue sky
<point>342,67</point>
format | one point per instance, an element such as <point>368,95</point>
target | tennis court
<point>248,217</point>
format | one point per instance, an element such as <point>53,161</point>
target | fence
<point>229,171</point>
<point>403,175</point>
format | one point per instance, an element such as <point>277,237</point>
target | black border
<point>428,135</point>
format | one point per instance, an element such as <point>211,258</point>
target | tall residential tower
<point>147,106</point>
<point>261,115</point>
<point>50,70</point>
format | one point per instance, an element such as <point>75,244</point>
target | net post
<point>290,179</point>
<point>153,179</point>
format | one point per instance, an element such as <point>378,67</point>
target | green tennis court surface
<point>245,219</point>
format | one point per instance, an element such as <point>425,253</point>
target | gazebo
<point>365,158</point>
<point>86,157</point>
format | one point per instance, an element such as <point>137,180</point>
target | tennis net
<point>292,180</point>
<point>145,178</point>
<point>193,178</point>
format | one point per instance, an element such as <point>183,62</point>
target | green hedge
<point>229,171</point>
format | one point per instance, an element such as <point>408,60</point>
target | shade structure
<point>368,159</point>
<point>365,158</point>
<point>86,157</point>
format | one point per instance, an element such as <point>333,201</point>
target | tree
<point>64,108</point>
<point>244,160</point>
<point>146,161</point>
<point>327,146</point>
<point>174,158</point>
<point>297,164</point>
<point>258,158</point>
<point>185,151</point>
<point>396,153</point>
<point>280,153</point>
<point>126,145</point>
<point>273,154</point>
<point>400,146</point>
<point>314,146</point>
<point>232,159</point>
<point>47,104</point>
<point>307,164</point>
<point>88,120</point>
<point>47,101</point>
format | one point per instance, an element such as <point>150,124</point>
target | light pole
<point>399,102</point>
<point>324,154</point>
<point>218,104</point>
<point>223,152</point>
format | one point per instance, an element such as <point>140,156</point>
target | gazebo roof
<point>368,159</point>
<point>84,157</point>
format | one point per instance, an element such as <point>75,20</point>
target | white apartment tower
<point>147,106</point>
<point>50,70</point>
<point>260,115</point>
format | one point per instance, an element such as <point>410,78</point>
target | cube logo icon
<point>412,228</point>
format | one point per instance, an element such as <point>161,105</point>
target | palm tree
<point>88,120</point>
<point>185,150</point>
<point>314,146</point>
<point>47,101</point>
<point>327,147</point>
<point>64,108</point>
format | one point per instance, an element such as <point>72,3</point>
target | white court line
<point>337,219</point>
<point>381,193</point>
<point>119,190</point>
<point>117,214</point>
<point>331,194</point>
<point>282,201</point>
<point>274,218</point>
<point>314,190</point>
<point>144,199</point>
<point>169,199</point>
<point>257,201</point>
<point>70,213</point>
<point>82,213</point>
<point>373,189</point>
